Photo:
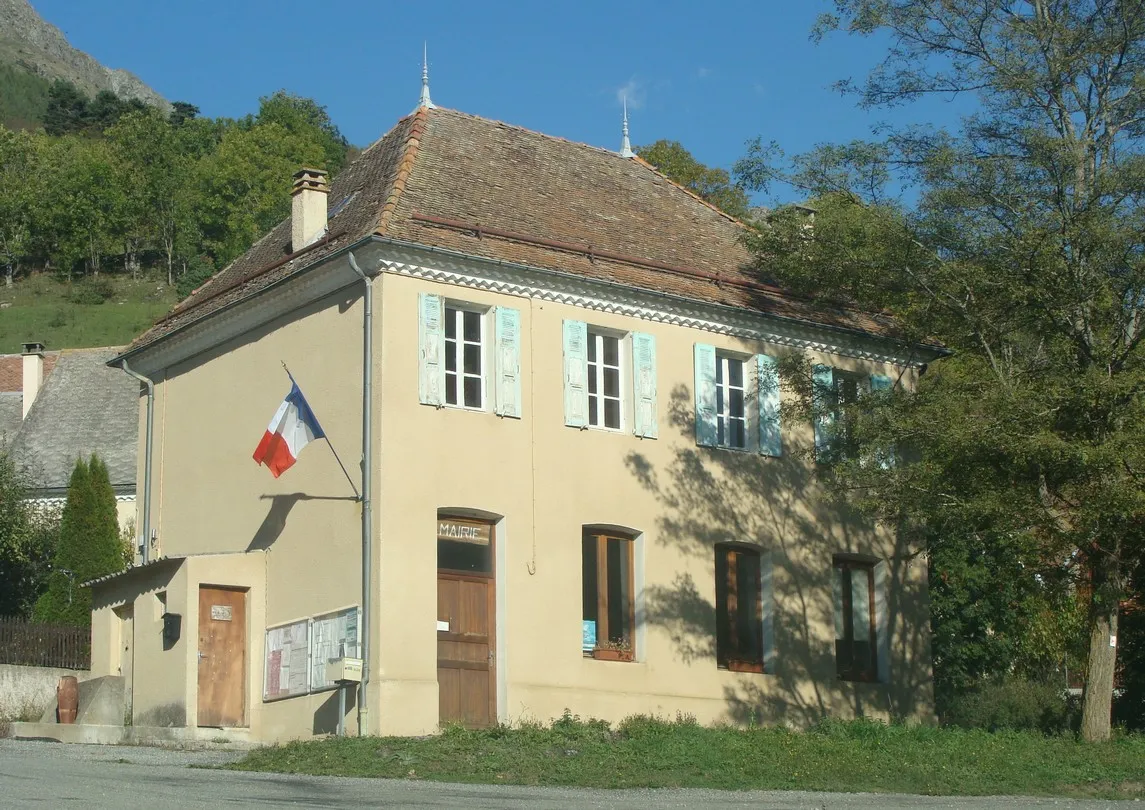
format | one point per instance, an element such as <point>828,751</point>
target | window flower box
<point>612,653</point>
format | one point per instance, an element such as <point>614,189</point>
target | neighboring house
<point>57,407</point>
<point>581,498</point>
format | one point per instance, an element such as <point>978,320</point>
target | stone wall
<point>25,692</point>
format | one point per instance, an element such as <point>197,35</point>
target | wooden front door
<point>466,621</point>
<point>222,657</point>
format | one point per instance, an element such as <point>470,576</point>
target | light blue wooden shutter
<point>644,384</point>
<point>823,380</point>
<point>508,361</point>
<point>884,456</point>
<point>576,374</point>
<point>767,376</point>
<point>767,599</point>
<point>706,431</point>
<point>881,382</point>
<point>882,626</point>
<point>431,349</point>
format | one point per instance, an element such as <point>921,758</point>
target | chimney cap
<point>34,347</point>
<point>308,179</point>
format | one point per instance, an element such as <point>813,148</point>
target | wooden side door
<point>466,622</point>
<point>222,657</point>
<point>125,615</point>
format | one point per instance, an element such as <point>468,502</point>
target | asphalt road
<point>97,777</point>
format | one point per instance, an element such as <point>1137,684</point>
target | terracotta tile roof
<point>369,179</point>
<point>447,179</point>
<point>12,370</point>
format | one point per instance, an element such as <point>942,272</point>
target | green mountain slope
<point>23,97</point>
<point>33,53</point>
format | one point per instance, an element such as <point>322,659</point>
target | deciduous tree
<point>20,184</point>
<point>27,542</point>
<point>713,185</point>
<point>1022,252</point>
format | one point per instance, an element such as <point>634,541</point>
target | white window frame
<point>596,337</point>
<point>459,309</point>
<point>723,392</point>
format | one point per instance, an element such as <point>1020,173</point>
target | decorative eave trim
<point>58,495</point>
<point>450,267</point>
<point>385,254</point>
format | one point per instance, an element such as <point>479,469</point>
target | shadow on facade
<point>711,496</point>
<point>274,523</point>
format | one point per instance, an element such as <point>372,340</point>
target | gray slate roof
<point>11,406</point>
<point>83,408</point>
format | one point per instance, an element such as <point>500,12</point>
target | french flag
<point>293,427</point>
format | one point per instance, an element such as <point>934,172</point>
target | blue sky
<point>711,76</point>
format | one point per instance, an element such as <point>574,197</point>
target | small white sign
<point>442,627</point>
<point>1113,641</point>
<point>220,613</point>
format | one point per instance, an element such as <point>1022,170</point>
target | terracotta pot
<point>68,698</point>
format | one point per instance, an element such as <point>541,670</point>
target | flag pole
<point>349,480</point>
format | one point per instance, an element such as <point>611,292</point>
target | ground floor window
<point>739,609</point>
<point>609,606</point>
<point>855,647</point>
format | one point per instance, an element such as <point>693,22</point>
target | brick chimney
<point>308,207</point>
<point>33,374</point>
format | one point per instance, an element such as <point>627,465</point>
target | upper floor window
<point>604,399</point>
<point>725,385</point>
<point>470,356</point>
<point>464,358</point>
<point>598,385</point>
<point>833,392</point>
<point>739,609</point>
<point>731,408</point>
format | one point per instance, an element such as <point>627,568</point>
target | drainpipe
<point>367,487</point>
<point>146,458</point>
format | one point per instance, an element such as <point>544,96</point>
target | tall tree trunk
<point>1097,701</point>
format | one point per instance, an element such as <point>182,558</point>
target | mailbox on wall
<point>172,626</point>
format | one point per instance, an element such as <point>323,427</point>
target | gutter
<point>367,489</point>
<point>145,546</point>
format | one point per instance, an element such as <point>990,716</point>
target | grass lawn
<point>45,309</point>
<point>854,757</point>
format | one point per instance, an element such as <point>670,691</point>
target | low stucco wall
<point>25,692</point>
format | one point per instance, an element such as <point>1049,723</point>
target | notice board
<point>333,635</point>
<point>287,670</point>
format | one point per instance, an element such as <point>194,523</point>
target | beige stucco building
<point>582,494</point>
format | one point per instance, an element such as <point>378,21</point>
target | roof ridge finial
<point>625,146</point>
<point>425,100</point>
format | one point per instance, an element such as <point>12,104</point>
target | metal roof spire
<point>425,100</point>
<point>625,146</point>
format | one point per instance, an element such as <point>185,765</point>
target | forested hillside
<point>112,188</point>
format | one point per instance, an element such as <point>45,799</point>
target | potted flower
<point>613,651</point>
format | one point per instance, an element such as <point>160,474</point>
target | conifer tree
<point>89,546</point>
